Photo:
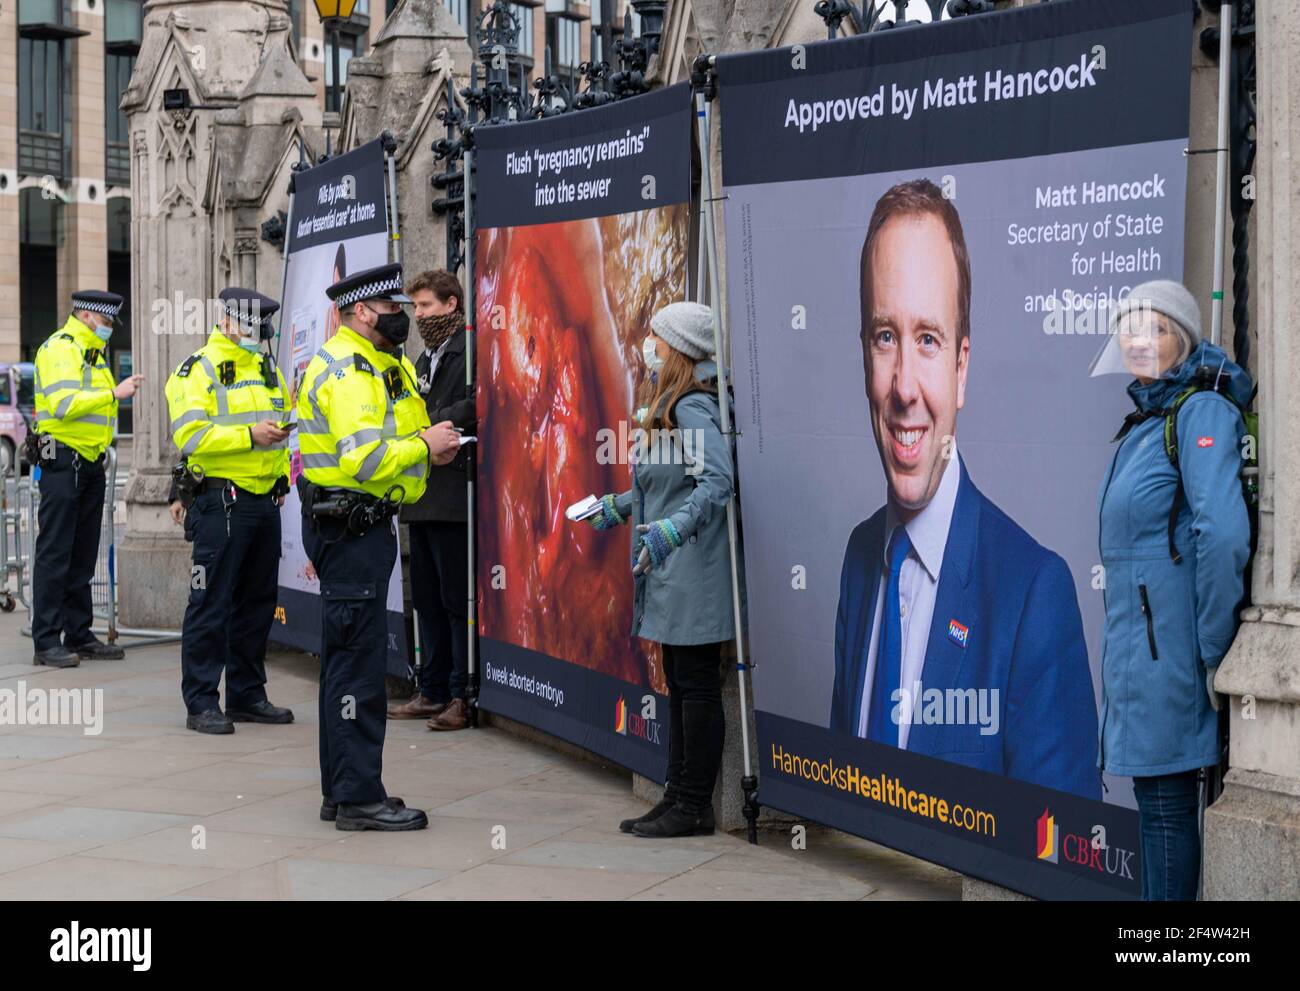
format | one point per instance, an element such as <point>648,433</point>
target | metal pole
<point>748,783</point>
<point>470,302</point>
<point>415,636</point>
<point>1221,180</point>
<point>396,228</point>
<point>284,264</point>
<point>606,30</point>
<point>110,505</point>
<point>336,89</point>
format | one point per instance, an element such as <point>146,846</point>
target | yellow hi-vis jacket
<point>214,398</point>
<point>74,390</point>
<point>360,415</point>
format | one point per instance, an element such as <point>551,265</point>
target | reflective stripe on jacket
<point>360,415</point>
<point>211,421</point>
<point>74,390</point>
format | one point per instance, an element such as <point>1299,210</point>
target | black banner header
<point>1014,84</point>
<point>621,158</point>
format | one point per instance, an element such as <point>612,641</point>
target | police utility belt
<point>191,481</point>
<point>358,511</point>
<point>36,446</point>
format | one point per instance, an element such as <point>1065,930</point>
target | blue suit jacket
<point>1025,638</point>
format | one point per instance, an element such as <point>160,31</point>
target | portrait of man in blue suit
<point>957,635</point>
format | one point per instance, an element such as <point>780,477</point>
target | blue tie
<point>889,652</point>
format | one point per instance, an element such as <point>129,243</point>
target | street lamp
<point>332,15</point>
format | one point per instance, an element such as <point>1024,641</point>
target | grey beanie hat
<point>685,327</point>
<point>1167,297</point>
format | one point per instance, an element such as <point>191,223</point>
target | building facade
<point>65,162</point>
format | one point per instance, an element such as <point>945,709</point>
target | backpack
<point>1208,380</point>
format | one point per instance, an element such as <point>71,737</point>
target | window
<point>525,17</point>
<point>41,107</point>
<point>40,236</point>
<point>124,23</point>
<point>350,45</point>
<point>123,29</point>
<point>40,12</point>
<point>564,38</point>
<point>459,10</point>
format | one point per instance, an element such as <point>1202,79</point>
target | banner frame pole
<point>702,85</point>
<point>395,227</point>
<point>471,462</point>
<point>288,233</point>
<point>1221,175</point>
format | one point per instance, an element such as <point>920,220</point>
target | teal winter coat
<point>686,476</point>
<point>1167,624</point>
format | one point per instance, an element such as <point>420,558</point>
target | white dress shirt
<point>918,585</point>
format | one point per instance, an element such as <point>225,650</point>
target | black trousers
<point>697,728</point>
<point>439,591</point>
<point>232,598</point>
<point>70,517</point>
<point>354,573</point>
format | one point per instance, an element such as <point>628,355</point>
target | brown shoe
<point>416,707</point>
<point>454,716</point>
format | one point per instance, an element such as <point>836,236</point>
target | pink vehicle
<point>17,407</point>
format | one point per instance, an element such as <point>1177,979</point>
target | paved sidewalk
<point>118,815</point>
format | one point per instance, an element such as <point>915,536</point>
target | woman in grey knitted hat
<point>682,479</point>
<point>1174,536</point>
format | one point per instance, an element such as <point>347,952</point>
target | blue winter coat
<point>686,600</point>
<point>1167,623</point>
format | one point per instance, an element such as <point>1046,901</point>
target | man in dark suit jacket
<point>957,635</point>
<point>439,557</point>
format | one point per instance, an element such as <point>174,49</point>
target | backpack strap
<point>1171,451</point>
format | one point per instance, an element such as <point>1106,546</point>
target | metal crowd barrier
<point>20,507</point>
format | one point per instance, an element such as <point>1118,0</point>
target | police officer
<point>366,444</point>
<point>76,419</point>
<point>229,407</point>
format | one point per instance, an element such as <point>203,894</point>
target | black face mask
<point>394,326</point>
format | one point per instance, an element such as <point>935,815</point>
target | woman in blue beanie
<point>682,477</point>
<point>1175,537</point>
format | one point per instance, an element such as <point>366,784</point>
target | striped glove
<point>658,540</point>
<point>608,517</point>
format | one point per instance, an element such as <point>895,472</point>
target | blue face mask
<point>103,331</point>
<point>253,344</point>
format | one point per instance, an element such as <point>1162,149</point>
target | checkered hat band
<point>381,288</point>
<point>246,313</point>
<point>108,309</point>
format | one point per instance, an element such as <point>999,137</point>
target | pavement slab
<point>145,809</point>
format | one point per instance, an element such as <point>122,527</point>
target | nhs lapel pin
<point>958,633</point>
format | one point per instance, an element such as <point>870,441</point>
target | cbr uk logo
<point>1093,854</point>
<point>644,726</point>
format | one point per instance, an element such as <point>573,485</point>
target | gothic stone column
<point>1252,833</point>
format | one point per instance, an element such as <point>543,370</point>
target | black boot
<point>260,712</point>
<point>677,821</point>
<point>329,809</point>
<point>212,721</point>
<point>57,656</point>
<point>665,803</point>
<point>387,816</point>
<point>97,650</point>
